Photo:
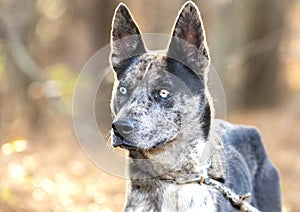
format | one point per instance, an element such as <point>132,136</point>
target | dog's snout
<point>123,127</point>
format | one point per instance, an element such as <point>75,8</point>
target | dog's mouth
<point>121,142</point>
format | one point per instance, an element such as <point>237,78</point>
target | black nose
<point>123,127</point>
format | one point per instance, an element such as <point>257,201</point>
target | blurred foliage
<point>2,63</point>
<point>63,79</point>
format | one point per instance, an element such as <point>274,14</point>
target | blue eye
<point>123,90</point>
<point>164,93</point>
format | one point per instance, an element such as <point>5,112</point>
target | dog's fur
<point>164,116</point>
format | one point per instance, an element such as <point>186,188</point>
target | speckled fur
<point>173,138</point>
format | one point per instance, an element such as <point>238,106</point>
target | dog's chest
<point>188,197</point>
<point>171,197</point>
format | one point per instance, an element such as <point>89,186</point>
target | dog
<point>181,158</point>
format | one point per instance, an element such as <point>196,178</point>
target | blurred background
<point>255,48</point>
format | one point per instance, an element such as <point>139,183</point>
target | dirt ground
<point>54,174</point>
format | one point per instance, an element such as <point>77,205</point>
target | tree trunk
<point>264,26</point>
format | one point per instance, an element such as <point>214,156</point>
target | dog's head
<point>159,98</point>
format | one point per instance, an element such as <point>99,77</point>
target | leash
<point>238,201</point>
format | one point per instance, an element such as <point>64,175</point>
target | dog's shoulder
<point>244,139</point>
<point>247,142</point>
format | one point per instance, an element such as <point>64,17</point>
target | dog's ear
<point>126,40</point>
<point>188,42</point>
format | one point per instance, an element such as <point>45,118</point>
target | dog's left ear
<point>126,40</point>
<point>188,42</point>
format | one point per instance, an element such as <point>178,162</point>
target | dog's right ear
<point>126,40</point>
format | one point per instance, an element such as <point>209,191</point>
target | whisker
<point>107,134</point>
<point>108,139</point>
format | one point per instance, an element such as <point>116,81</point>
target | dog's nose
<point>123,127</point>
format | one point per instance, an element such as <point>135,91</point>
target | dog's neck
<point>182,163</point>
<point>168,178</point>
<point>172,184</point>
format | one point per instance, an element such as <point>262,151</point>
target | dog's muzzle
<point>122,129</point>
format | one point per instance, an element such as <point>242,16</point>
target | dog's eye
<point>163,93</point>
<point>123,90</point>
